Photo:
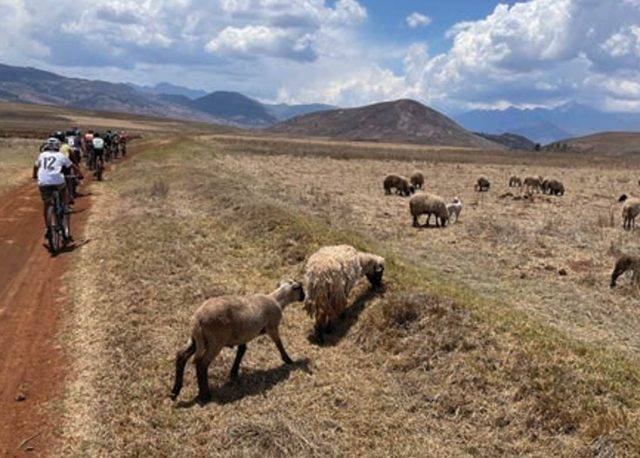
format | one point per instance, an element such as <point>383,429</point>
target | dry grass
<point>16,160</point>
<point>458,356</point>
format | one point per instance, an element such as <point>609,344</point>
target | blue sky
<point>452,55</point>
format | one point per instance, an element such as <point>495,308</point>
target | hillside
<point>606,143</point>
<point>30,85</point>
<point>398,121</point>
<point>547,125</point>
<point>511,141</point>
<point>234,107</point>
<point>283,111</point>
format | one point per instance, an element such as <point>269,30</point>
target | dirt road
<point>32,367</point>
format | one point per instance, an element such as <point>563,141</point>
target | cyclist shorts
<point>98,152</point>
<point>46,192</point>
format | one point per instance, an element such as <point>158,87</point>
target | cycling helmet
<point>52,144</point>
<point>59,135</point>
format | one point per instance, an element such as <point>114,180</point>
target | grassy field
<point>479,345</point>
<point>38,121</point>
<point>16,160</point>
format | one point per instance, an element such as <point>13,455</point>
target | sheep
<point>553,187</point>
<point>454,208</point>
<point>428,204</point>
<point>630,210</point>
<point>229,321</point>
<point>515,182</point>
<point>482,184</point>
<point>623,264</point>
<point>532,183</point>
<point>330,275</point>
<point>417,180</point>
<point>400,184</point>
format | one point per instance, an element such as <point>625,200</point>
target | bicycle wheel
<point>99,170</point>
<point>53,235</point>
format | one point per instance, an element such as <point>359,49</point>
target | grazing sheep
<point>552,187</point>
<point>230,321</point>
<point>330,275</point>
<point>515,182</point>
<point>454,208</point>
<point>532,183</point>
<point>428,204</point>
<point>399,184</point>
<point>630,210</point>
<point>417,180</point>
<point>482,185</point>
<point>623,264</point>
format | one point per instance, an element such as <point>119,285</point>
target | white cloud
<point>251,41</point>
<point>535,52</point>
<point>418,19</point>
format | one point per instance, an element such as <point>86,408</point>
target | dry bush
<point>159,189</point>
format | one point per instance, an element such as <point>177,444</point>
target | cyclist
<point>48,171</point>
<point>87,140</point>
<point>98,151</point>
<point>123,143</point>
<point>108,140</point>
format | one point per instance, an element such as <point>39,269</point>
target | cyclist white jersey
<point>50,164</point>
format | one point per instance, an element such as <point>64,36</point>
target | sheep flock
<point>331,274</point>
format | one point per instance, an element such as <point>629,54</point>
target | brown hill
<point>399,121</point>
<point>610,143</point>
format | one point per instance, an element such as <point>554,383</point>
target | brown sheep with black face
<point>630,210</point>
<point>400,185</point>
<point>515,182</point>
<point>428,204</point>
<point>533,183</point>
<point>552,187</point>
<point>482,185</point>
<point>624,264</point>
<point>417,180</point>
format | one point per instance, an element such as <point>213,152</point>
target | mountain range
<point>30,85</point>
<point>547,125</point>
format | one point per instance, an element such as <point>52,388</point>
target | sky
<point>452,55</point>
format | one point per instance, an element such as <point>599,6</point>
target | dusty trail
<point>32,298</point>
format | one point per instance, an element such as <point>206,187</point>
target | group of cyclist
<point>58,172</point>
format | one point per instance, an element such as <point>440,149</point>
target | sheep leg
<point>181,361</point>
<point>275,336</point>
<point>236,364</point>
<point>415,221</point>
<point>202,369</point>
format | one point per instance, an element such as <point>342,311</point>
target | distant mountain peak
<point>402,120</point>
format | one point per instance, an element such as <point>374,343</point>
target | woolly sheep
<point>532,183</point>
<point>428,204</point>
<point>623,264</point>
<point>399,184</point>
<point>417,180</point>
<point>553,187</point>
<point>515,182</point>
<point>482,184</point>
<point>630,210</point>
<point>330,275</point>
<point>230,321</point>
<point>454,208</point>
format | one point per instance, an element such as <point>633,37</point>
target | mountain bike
<point>99,168</point>
<point>58,229</point>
